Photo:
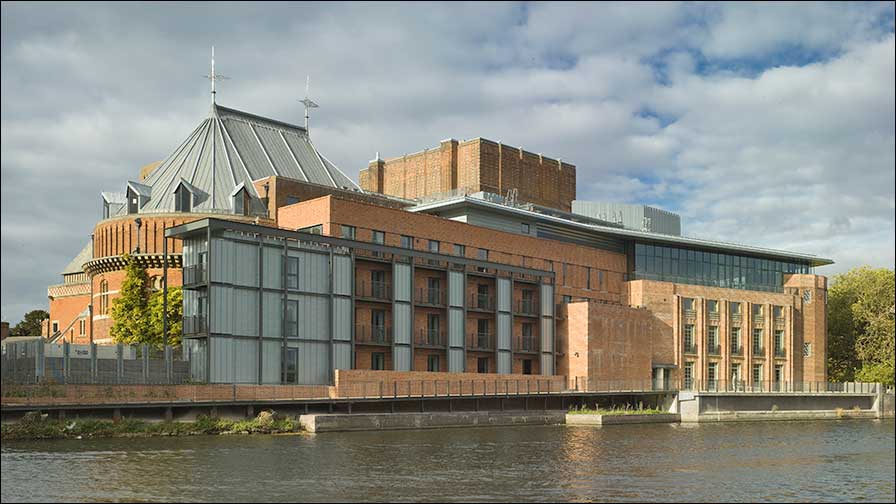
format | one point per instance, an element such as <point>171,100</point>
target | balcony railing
<point>527,307</point>
<point>482,302</point>
<point>481,341</point>
<point>737,350</point>
<point>780,352</point>
<point>195,275</point>
<point>527,344</point>
<point>431,297</point>
<point>430,338</point>
<point>690,348</point>
<point>195,324</point>
<point>373,335</point>
<point>713,349</point>
<point>373,290</point>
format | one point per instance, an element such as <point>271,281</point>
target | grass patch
<point>36,426</point>
<point>616,410</point>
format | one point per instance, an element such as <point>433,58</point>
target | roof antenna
<point>307,102</point>
<point>213,76</point>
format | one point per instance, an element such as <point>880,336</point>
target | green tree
<point>860,325</point>
<point>130,310</point>
<point>31,324</point>
<point>175,317</point>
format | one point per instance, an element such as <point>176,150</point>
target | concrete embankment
<point>580,419</point>
<point>399,421</point>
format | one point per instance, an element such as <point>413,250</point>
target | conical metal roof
<point>232,148</point>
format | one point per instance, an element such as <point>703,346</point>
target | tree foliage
<point>31,324</point>
<point>175,317</point>
<point>860,325</point>
<point>137,311</point>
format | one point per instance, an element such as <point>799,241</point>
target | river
<point>848,460</point>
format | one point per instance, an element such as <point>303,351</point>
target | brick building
<point>292,271</point>
<point>234,165</point>
<point>471,166</point>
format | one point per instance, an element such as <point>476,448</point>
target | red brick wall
<point>475,165</point>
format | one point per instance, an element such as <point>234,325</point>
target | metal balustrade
<point>373,334</point>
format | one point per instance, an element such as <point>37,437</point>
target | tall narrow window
<point>432,363</point>
<point>104,297</point>
<point>689,346</point>
<point>378,361</point>
<point>688,375</point>
<point>712,370</point>
<point>460,250</point>
<point>588,277</point>
<point>292,318</point>
<point>735,341</point>
<point>524,228</point>
<point>292,365</point>
<point>757,341</point>
<point>378,237</point>
<point>757,374</point>
<point>292,272</point>
<point>183,199</point>
<point>600,281</point>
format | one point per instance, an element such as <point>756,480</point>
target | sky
<point>766,124</point>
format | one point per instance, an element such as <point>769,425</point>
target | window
<point>588,277</point>
<point>482,365</point>
<point>779,342</point>
<point>432,329</point>
<point>757,310</point>
<point>527,304</point>
<point>779,374</point>
<point>407,242</point>
<point>600,281</point>
<point>377,361</point>
<point>757,340</point>
<point>348,232</point>
<point>807,349</point>
<point>689,338</point>
<point>432,363</point>
<point>712,370</point>
<point>688,375</point>
<point>433,290</point>
<point>528,343</point>
<point>82,326</point>
<point>524,228</point>
<point>482,298</point>
<point>712,306</point>
<point>566,299</point>
<point>735,340</point>
<point>291,365</point>
<point>292,200</point>
<point>292,272</point>
<point>687,304</point>
<point>482,255</point>
<point>712,337</point>
<point>757,374</point>
<point>433,246</point>
<point>378,286</point>
<point>482,327</point>
<point>104,298</point>
<point>378,237</point>
<point>317,230</point>
<point>527,366</point>
<point>55,326</point>
<point>778,312</point>
<point>183,199</point>
<point>292,318</point>
<point>133,201</point>
<point>459,250</point>
<point>735,309</point>
<point>241,203</point>
<point>735,373</point>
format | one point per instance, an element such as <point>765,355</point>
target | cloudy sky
<point>766,124</point>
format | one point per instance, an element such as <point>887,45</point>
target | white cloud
<point>649,102</point>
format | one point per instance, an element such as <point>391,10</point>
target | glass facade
<point>680,265</point>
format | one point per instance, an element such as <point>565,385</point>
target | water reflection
<point>818,461</point>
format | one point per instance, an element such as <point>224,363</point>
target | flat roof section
<point>462,201</point>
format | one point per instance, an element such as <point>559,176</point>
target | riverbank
<point>36,426</point>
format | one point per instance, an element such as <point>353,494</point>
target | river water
<point>848,460</point>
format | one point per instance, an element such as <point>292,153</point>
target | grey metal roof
<point>75,266</point>
<point>230,148</point>
<point>460,201</point>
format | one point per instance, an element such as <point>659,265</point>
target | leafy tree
<point>860,322</point>
<point>175,316</point>
<point>31,324</point>
<point>130,310</point>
